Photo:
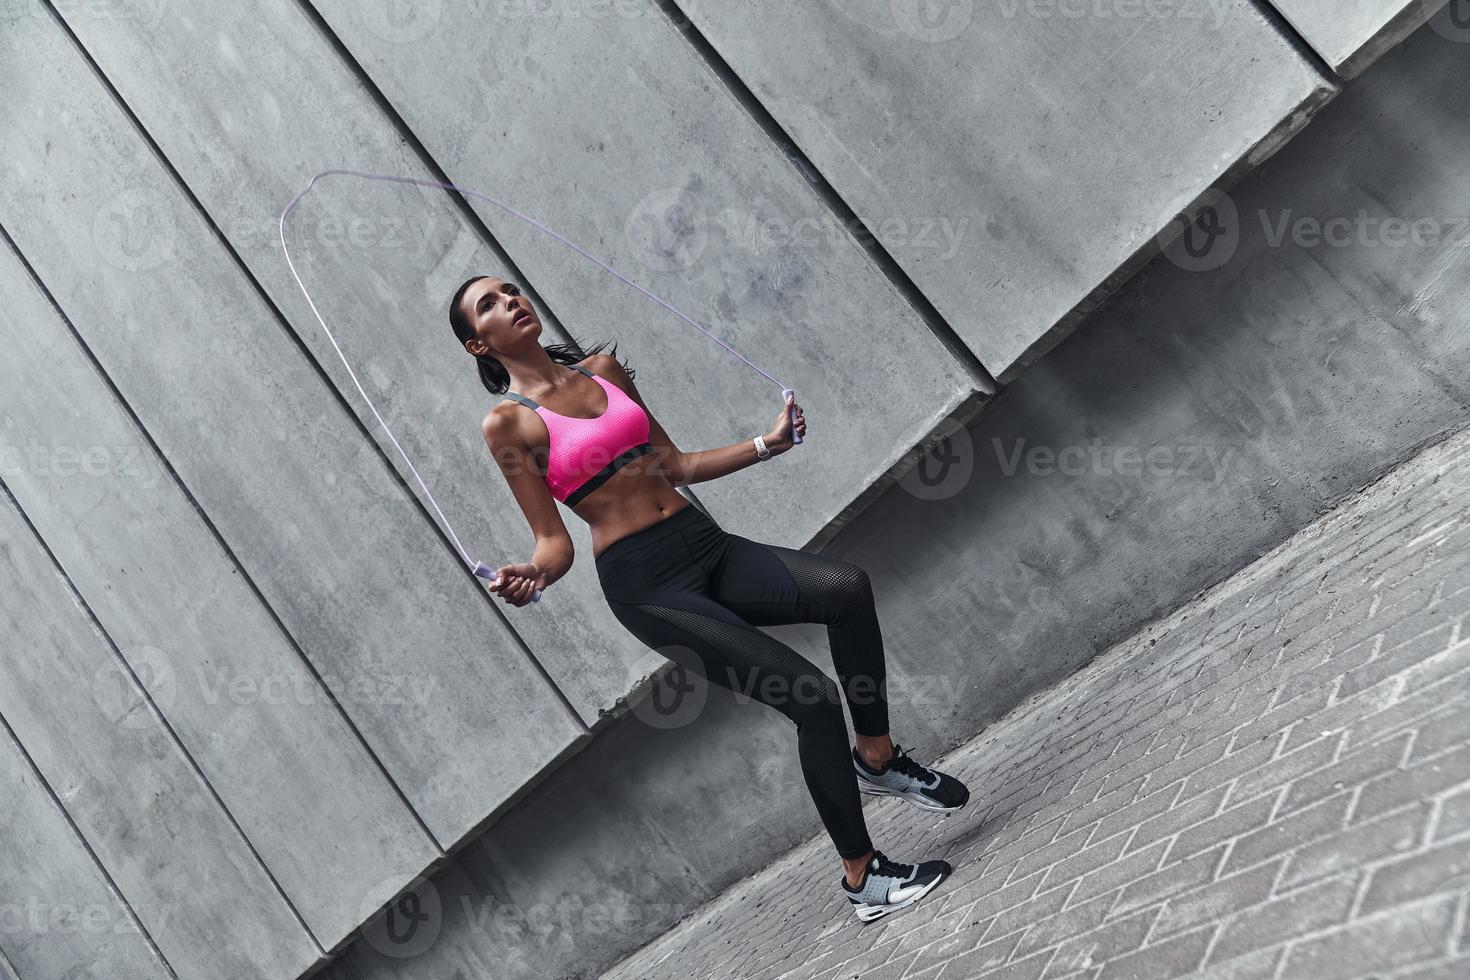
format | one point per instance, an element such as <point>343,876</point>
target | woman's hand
<point>778,440</point>
<point>514,583</point>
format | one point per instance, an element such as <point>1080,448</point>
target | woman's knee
<point>815,698</point>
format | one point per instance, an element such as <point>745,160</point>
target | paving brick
<point>1228,824</point>
<point>1121,872</point>
<point>1428,778</point>
<point>1023,915</point>
<point>1298,730</point>
<point>1085,861</point>
<point>1454,816</point>
<point>1392,661</point>
<point>1289,832</point>
<point>1079,918</point>
<point>1289,917</point>
<point>1170,958</point>
<point>1440,733</point>
<point>1382,943</point>
<point>1354,769</point>
<point>1101,945</point>
<point>1357,845</point>
<point>1307,759</point>
<point>1260,965</point>
<point>1217,900</point>
<point>1240,761</point>
<point>1444,868</point>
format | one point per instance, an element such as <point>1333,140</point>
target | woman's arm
<point>684,468</point>
<point>510,445</point>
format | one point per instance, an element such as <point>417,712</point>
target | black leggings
<point>695,593</point>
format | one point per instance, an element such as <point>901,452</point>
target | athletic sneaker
<point>920,785</point>
<point>888,886</point>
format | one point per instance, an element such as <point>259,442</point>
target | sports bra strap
<point>531,403</point>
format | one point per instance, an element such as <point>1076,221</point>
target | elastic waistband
<point>683,519</point>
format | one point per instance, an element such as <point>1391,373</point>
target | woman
<point>686,587</point>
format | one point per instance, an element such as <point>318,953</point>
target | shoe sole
<point>867,913</point>
<point>918,799</point>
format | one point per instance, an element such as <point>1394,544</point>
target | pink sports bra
<point>599,447</point>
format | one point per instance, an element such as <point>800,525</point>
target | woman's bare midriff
<point>635,497</point>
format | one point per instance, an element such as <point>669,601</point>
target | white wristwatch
<point>760,448</point>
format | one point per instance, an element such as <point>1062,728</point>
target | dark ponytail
<point>493,374</point>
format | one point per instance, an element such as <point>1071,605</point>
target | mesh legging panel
<point>816,589</point>
<point>739,657</point>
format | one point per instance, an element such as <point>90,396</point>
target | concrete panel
<point>1352,34</point>
<point>324,818</point>
<point>399,630</point>
<point>172,850</point>
<point>58,915</point>
<point>1050,141</point>
<point>381,260</point>
<point>601,120</point>
<point>1306,371</point>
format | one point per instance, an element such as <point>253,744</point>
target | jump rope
<point>478,568</point>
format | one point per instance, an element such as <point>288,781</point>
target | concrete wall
<point>1270,376</point>
<point>250,694</point>
<point>1351,34</point>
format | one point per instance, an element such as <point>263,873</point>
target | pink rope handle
<point>477,568</point>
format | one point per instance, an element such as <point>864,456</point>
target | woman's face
<point>500,315</point>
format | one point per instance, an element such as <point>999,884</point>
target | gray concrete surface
<point>59,916</point>
<point>1271,782</point>
<point>383,259</point>
<point>404,637</point>
<point>600,120</point>
<point>1351,34</point>
<point>177,858</point>
<point>1306,369</point>
<point>245,706</point>
<point>1025,133</point>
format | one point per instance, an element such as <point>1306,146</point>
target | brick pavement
<point>1271,782</point>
